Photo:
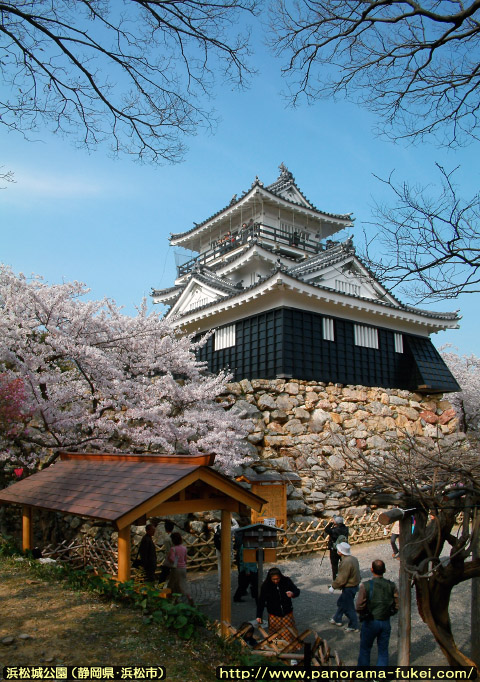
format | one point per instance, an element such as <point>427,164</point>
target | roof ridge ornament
<point>348,244</point>
<point>284,172</point>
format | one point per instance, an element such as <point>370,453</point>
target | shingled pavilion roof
<point>121,488</point>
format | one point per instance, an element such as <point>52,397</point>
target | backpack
<point>341,538</point>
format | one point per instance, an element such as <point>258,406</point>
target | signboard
<point>276,507</point>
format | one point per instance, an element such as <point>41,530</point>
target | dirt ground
<point>45,623</point>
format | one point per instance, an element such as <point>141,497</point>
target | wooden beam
<point>218,482</point>
<point>196,460</point>
<point>231,488</point>
<point>225,563</point>
<point>404,594</point>
<point>187,506</point>
<point>475,609</point>
<point>27,527</point>
<point>147,506</point>
<point>124,554</point>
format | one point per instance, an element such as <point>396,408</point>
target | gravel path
<point>315,605</point>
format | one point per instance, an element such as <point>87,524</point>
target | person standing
<point>347,580</point>
<point>177,557</point>
<point>377,601</point>
<point>276,595</point>
<point>167,545</point>
<point>337,532</point>
<point>147,553</point>
<point>247,572</point>
<point>395,534</point>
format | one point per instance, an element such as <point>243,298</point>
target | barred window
<point>366,336</point>
<point>347,287</point>
<point>224,337</point>
<point>328,329</point>
<point>398,343</point>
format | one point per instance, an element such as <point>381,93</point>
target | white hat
<point>338,519</point>
<point>344,548</point>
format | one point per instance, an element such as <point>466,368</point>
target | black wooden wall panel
<point>286,342</point>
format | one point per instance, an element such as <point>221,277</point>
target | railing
<point>239,238</point>
<point>298,539</point>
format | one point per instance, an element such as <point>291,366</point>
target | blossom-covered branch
<point>95,378</point>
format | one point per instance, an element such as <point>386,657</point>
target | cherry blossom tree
<point>13,415</point>
<point>94,378</point>
<point>466,370</point>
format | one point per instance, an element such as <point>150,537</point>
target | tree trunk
<point>475,614</point>
<point>433,598</point>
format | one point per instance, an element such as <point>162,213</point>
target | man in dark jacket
<point>377,600</point>
<point>247,571</point>
<point>148,553</point>
<point>337,532</point>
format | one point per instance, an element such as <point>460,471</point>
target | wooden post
<point>124,554</point>
<point>261,556</point>
<point>475,613</point>
<point>225,563</point>
<point>404,594</point>
<point>27,528</point>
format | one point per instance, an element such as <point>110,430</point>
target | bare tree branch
<point>414,64</point>
<point>133,72</point>
<point>430,244</point>
<point>6,176</point>
<point>438,480</point>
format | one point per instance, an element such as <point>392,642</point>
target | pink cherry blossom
<point>93,378</point>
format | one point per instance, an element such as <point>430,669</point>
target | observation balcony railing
<point>291,243</point>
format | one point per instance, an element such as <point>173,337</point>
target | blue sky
<point>73,215</point>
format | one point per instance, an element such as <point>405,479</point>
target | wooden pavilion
<point>122,488</point>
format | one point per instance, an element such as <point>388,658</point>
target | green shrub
<point>172,613</point>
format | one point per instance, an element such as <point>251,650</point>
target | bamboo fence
<point>85,551</point>
<point>298,539</point>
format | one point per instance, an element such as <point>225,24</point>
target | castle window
<point>224,337</point>
<point>398,343</point>
<point>197,303</point>
<point>328,329</point>
<point>347,287</point>
<point>366,336</point>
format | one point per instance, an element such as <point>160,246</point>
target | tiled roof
<point>96,489</point>
<point>208,277</point>
<point>168,290</point>
<point>272,189</point>
<point>284,181</point>
<point>109,487</point>
<point>399,306</point>
<point>324,259</point>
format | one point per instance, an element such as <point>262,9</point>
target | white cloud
<point>52,186</point>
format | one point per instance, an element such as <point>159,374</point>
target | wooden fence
<point>310,537</point>
<point>85,551</point>
<point>298,539</point>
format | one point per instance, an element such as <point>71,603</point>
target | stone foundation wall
<point>301,427</point>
